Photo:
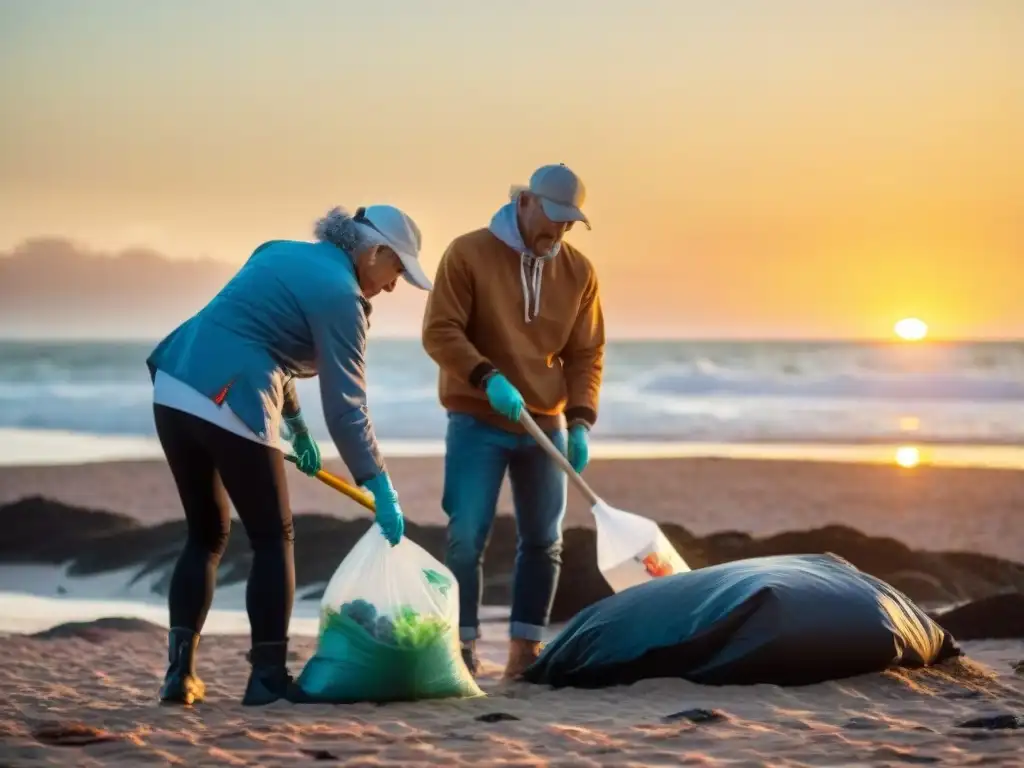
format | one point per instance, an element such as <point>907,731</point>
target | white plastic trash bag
<point>389,623</point>
<point>631,549</point>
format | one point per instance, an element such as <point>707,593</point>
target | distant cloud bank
<point>54,287</point>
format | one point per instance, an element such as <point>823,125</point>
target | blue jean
<point>477,456</point>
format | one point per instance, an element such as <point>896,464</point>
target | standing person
<point>222,383</point>
<point>514,321</point>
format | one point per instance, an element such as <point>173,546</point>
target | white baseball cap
<point>400,233</point>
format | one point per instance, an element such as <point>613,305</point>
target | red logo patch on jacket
<point>221,396</point>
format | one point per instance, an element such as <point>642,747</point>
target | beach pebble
<point>1001,722</point>
<point>319,754</point>
<point>696,716</point>
<point>495,717</point>
<point>98,630</point>
<point>71,735</point>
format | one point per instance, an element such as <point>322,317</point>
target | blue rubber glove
<point>579,450</point>
<point>503,397</point>
<point>389,513</point>
<point>307,452</point>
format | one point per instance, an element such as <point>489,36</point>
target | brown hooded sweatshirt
<point>537,321</point>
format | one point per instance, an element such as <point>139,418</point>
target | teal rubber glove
<point>579,449</point>
<point>390,519</point>
<point>307,452</point>
<point>503,397</point>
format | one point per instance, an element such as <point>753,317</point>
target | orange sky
<point>759,168</point>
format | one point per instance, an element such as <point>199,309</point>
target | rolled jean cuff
<point>467,634</point>
<point>520,631</point>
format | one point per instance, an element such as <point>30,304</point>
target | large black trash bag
<point>783,620</point>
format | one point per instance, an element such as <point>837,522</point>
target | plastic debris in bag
<point>389,623</point>
<point>631,549</point>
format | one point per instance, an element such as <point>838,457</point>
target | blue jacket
<point>294,310</point>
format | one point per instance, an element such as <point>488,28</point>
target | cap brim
<point>413,272</point>
<point>562,213</point>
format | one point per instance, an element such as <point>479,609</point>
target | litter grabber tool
<point>360,497</point>
<point>630,549</point>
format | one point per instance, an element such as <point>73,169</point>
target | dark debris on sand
<point>495,717</point>
<point>696,715</point>
<point>1001,722</point>
<point>99,630</point>
<point>71,735</point>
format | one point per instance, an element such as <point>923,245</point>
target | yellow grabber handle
<point>360,497</point>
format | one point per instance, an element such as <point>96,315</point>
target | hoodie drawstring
<point>531,284</point>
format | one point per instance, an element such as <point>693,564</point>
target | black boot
<point>181,683</point>
<point>269,680</point>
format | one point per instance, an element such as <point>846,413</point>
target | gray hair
<point>516,191</point>
<point>338,228</point>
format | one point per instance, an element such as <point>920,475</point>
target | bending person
<point>223,388</point>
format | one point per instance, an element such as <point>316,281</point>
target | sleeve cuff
<point>296,423</point>
<point>581,415</point>
<point>363,481</point>
<point>478,374</point>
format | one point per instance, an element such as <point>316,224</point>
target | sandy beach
<point>75,702</point>
<point>91,701</point>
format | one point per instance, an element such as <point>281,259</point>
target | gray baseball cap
<point>561,193</point>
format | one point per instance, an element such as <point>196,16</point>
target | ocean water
<point>691,392</point>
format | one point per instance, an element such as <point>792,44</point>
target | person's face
<point>540,234</point>
<point>379,271</point>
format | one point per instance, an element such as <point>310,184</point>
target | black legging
<point>206,461</point>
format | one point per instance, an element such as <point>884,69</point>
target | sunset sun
<point>908,456</point>
<point>911,329</point>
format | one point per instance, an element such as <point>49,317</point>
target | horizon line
<point>697,339</point>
